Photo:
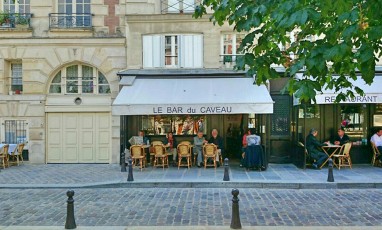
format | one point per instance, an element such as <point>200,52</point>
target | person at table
<point>341,137</point>
<point>199,141</point>
<point>145,141</point>
<point>313,146</point>
<point>218,141</point>
<point>377,140</point>
<point>171,143</point>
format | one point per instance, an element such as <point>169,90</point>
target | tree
<point>333,41</point>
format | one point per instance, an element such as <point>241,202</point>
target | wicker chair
<point>17,155</point>
<point>138,156</point>
<point>209,152</point>
<point>343,156</point>
<point>160,156</point>
<point>152,151</point>
<point>4,156</point>
<point>184,151</point>
<point>376,153</point>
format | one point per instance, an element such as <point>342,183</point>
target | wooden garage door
<point>78,138</point>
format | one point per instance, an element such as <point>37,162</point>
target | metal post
<point>226,170</point>
<point>123,162</point>
<point>235,221</point>
<point>130,176</point>
<point>330,171</point>
<point>70,221</point>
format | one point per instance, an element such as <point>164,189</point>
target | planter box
<point>22,26</point>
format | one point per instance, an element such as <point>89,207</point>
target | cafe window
<point>311,111</point>
<point>15,131</point>
<point>179,124</point>
<point>77,79</point>
<point>173,51</point>
<point>353,119</point>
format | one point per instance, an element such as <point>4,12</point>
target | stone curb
<point>192,227</point>
<point>260,185</point>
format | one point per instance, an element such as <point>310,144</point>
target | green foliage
<point>346,39</point>
<point>4,17</point>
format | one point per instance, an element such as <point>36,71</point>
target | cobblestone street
<point>192,207</point>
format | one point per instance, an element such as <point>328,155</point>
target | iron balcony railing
<point>63,20</point>
<point>15,20</point>
<point>178,6</point>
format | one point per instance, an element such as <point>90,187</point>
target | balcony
<point>178,6</point>
<point>15,20</point>
<point>228,60</point>
<point>70,21</point>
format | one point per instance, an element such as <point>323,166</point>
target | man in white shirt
<point>377,140</point>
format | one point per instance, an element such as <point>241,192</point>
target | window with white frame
<point>17,6</point>
<point>16,77</point>
<point>74,13</point>
<point>79,79</point>
<point>179,6</point>
<point>173,51</point>
<point>230,44</point>
<point>15,131</point>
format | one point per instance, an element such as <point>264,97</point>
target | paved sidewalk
<point>191,228</point>
<point>110,176</point>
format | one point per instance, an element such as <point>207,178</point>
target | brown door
<point>280,133</point>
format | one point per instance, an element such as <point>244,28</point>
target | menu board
<point>378,108</point>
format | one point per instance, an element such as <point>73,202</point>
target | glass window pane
<point>102,79</point>
<point>55,89</point>
<point>87,72</point>
<point>177,124</point>
<point>72,86</point>
<point>72,72</point>
<point>87,86</point>
<point>102,89</point>
<point>57,78</point>
<point>227,43</point>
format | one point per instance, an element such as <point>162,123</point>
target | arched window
<point>79,79</point>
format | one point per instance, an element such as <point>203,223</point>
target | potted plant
<point>5,19</point>
<point>22,21</point>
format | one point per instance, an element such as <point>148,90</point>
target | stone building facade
<point>58,77</point>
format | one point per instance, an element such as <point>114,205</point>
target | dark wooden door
<point>280,133</point>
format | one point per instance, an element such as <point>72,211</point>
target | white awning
<point>192,96</point>
<point>372,93</point>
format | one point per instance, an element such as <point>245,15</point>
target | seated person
<point>218,141</point>
<point>377,140</point>
<point>313,145</point>
<point>141,139</point>
<point>252,138</point>
<point>199,141</point>
<point>341,137</point>
<point>171,143</point>
<point>244,146</point>
<point>253,152</point>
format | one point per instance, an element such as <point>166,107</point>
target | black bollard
<point>70,221</point>
<point>235,221</point>
<point>123,162</point>
<point>330,171</point>
<point>130,176</point>
<point>226,170</point>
